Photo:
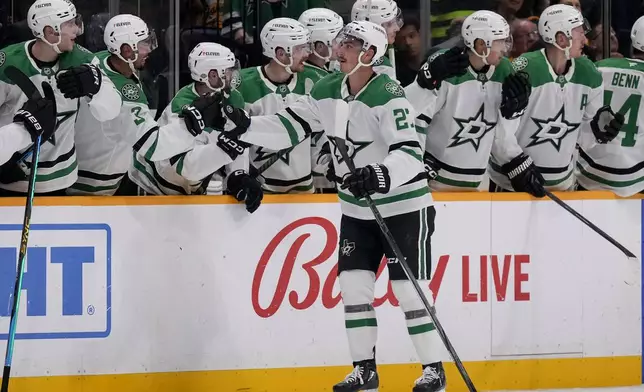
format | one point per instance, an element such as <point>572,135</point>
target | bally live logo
<point>483,278</point>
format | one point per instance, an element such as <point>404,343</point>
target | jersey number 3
<point>630,109</point>
<point>136,111</point>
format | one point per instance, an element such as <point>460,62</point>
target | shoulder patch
<point>519,63</point>
<point>394,89</point>
<point>130,91</point>
<point>235,81</point>
<point>3,58</point>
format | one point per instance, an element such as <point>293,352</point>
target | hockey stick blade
<point>590,224</point>
<point>342,148</point>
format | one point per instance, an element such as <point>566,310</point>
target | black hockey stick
<point>590,224</point>
<point>30,90</point>
<point>271,161</point>
<point>342,148</point>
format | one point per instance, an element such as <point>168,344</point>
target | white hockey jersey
<point>462,123</point>
<point>170,161</point>
<point>57,166</point>
<point>617,166</point>
<point>104,149</point>
<point>292,173</point>
<point>378,126</point>
<point>549,129</point>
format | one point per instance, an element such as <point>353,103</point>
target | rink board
<point>155,294</point>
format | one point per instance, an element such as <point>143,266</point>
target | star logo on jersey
<point>60,118</point>
<point>353,147</point>
<point>264,155</point>
<point>472,130</point>
<point>130,92</point>
<point>552,130</point>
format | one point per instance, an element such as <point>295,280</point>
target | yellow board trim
<point>492,375</point>
<point>285,199</point>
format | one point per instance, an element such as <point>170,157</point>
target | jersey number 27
<point>630,109</point>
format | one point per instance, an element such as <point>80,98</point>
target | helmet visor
<point>148,44</point>
<point>503,45</point>
<point>75,23</point>
<point>396,23</point>
<point>231,76</point>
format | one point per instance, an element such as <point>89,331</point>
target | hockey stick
<point>342,148</point>
<point>30,90</point>
<point>590,224</point>
<point>271,161</point>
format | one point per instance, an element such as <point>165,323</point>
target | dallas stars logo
<point>60,118</point>
<point>347,247</point>
<point>353,147</point>
<point>553,130</point>
<point>264,155</point>
<point>472,130</point>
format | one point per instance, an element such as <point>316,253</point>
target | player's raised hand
<point>525,176</point>
<point>515,95</point>
<point>80,81</point>
<point>606,124</point>
<point>441,66</point>
<point>365,181</point>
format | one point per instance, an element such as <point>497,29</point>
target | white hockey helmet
<point>637,34</point>
<point>382,12</point>
<point>208,56</point>
<point>487,26</point>
<point>285,33</point>
<point>52,13</point>
<point>560,18</point>
<point>324,25</point>
<point>370,35</point>
<point>126,29</point>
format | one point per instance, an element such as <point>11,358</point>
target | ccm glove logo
<point>229,146</point>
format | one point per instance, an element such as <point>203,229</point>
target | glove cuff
<point>381,175</point>
<point>517,165</point>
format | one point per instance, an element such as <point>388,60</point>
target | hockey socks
<point>357,288</point>
<point>421,329</point>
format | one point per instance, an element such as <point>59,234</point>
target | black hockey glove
<point>441,66</point>
<point>431,166</point>
<point>367,180</point>
<point>525,176</point>
<point>239,117</point>
<point>38,114</point>
<point>245,188</point>
<point>230,146</point>
<point>515,95</point>
<point>205,112</point>
<point>606,124</point>
<point>83,80</point>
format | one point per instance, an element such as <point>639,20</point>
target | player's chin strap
<point>130,63</point>
<point>361,64</point>
<point>325,58</point>
<point>566,50</point>
<point>55,45</point>
<point>287,67</point>
<point>485,56</point>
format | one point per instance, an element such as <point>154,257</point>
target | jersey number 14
<point>630,109</point>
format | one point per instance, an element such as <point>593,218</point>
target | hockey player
<point>464,101</point>
<point>324,25</point>
<point>566,92</point>
<point>73,72</point>
<point>270,88</point>
<point>387,14</point>
<point>189,151</point>
<point>617,165</point>
<point>104,149</point>
<point>370,112</point>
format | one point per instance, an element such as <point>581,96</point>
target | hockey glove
<point>367,180</point>
<point>515,95</point>
<point>606,124</point>
<point>441,66</point>
<point>38,115</point>
<point>229,146</point>
<point>245,188</point>
<point>205,112</point>
<point>431,166</point>
<point>239,117</point>
<point>525,176</point>
<point>83,80</point>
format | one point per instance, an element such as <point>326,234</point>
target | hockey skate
<point>363,378</point>
<point>432,380</point>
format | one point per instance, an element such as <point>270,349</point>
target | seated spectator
<point>595,48</point>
